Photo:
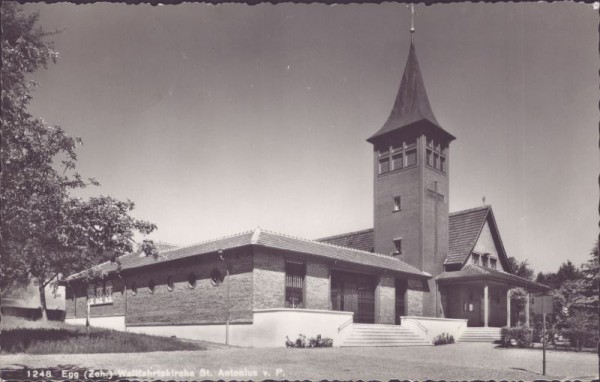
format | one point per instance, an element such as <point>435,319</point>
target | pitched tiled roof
<point>134,260</point>
<point>330,251</point>
<point>269,239</point>
<point>362,240</point>
<point>478,272</point>
<point>465,227</point>
<point>411,104</point>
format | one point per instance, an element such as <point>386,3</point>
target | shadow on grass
<point>72,339</point>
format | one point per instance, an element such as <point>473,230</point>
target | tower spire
<point>412,20</point>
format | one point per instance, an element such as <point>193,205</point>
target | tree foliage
<point>575,296</point>
<point>45,230</point>
<point>521,268</point>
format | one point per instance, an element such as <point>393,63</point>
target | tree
<point>521,268</point>
<point>566,272</point>
<point>45,230</point>
<point>591,275</point>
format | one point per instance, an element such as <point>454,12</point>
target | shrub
<point>580,338</point>
<point>443,339</point>
<point>316,342</point>
<point>521,336</point>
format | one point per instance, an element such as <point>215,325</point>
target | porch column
<point>486,305</point>
<point>508,308</point>
<point>527,309</point>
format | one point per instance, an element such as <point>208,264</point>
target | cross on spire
<point>412,17</point>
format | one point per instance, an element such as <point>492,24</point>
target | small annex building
<point>420,271</point>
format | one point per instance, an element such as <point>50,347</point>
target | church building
<point>419,272</point>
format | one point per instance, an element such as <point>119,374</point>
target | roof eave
<point>379,135</point>
<point>483,277</point>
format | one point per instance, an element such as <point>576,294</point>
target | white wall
<point>269,329</point>
<point>112,322</point>
<point>435,326</point>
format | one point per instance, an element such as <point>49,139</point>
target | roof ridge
<point>209,241</point>
<point>335,246</point>
<point>255,236</point>
<point>165,243</point>
<point>485,207</point>
<point>345,234</point>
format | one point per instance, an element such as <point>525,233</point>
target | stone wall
<point>386,305</point>
<point>204,303</point>
<point>317,286</point>
<point>269,279</point>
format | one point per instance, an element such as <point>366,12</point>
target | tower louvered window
<point>397,155</point>
<point>436,155</point>
<point>294,284</point>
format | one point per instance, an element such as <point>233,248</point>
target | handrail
<point>420,325</point>
<point>348,322</point>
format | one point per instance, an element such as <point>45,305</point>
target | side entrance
<point>354,292</point>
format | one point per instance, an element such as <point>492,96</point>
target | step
<point>373,335</point>
<point>477,334</point>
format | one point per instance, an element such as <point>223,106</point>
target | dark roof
<point>268,239</point>
<point>412,104</point>
<point>477,272</point>
<point>362,240</point>
<point>465,227</point>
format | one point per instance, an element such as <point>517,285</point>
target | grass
<point>51,337</point>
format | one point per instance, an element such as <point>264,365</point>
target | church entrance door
<point>354,292</point>
<point>401,286</point>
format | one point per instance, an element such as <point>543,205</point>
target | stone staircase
<point>382,335</point>
<point>480,334</point>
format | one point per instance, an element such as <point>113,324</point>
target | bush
<point>521,336</point>
<point>316,342</point>
<point>580,338</point>
<point>443,339</point>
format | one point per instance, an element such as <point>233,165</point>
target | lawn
<point>461,361</point>
<point>51,337</point>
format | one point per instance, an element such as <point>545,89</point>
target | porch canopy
<point>473,273</point>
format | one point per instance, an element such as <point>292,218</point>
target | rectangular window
<point>398,246</point>
<point>443,164</point>
<point>384,165</point>
<point>436,161</point>
<point>107,289</point>
<point>397,203</point>
<point>397,162</point>
<point>428,157</point>
<point>294,284</point>
<point>411,158</point>
<point>475,259</point>
<point>484,261</point>
<point>493,263</point>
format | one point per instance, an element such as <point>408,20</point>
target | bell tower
<point>411,168</point>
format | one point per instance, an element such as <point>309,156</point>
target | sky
<point>217,119</point>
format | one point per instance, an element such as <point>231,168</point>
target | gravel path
<point>457,362</point>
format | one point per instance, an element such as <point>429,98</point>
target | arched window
<point>151,286</point>
<point>170,284</point>
<point>216,277</point>
<point>192,280</point>
<point>134,288</point>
